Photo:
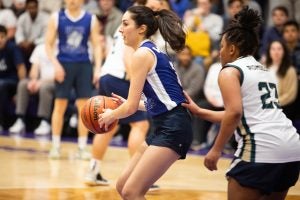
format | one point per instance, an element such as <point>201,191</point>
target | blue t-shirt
<point>10,58</point>
<point>162,89</point>
<point>73,38</point>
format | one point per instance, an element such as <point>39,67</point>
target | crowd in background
<point>27,76</point>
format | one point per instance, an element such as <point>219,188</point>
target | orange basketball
<point>92,108</point>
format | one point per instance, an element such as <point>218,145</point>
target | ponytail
<point>166,21</point>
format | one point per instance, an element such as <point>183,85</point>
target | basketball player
<point>266,163</point>
<point>114,79</point>
<point>152,73</point>
<point>73,27</point>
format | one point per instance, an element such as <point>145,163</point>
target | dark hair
<point>282,9</point>
<point>32,1</point>
<point>230,2</point>
<point>285,62</point>
<point>3,29</point>
<point>291,23</point>
<point>242,31</point>
<point>168,23</point>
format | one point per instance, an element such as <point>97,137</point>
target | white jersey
<point>265,134</point>
<point>114,63</point>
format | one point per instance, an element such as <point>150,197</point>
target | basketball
<point>92,108</point>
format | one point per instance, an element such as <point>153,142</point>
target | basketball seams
<point>90,116</point>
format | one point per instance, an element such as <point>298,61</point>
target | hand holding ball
<point>91,110</point>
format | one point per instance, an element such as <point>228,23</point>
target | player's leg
<point>144,174</point>
<point>99,147</point>
<point>237,191</point>
<point>137,135</point>
<point>59,109</point>
<point>83,90</point>
<point>276,196</point>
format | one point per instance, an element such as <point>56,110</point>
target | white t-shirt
<point>39,57</point>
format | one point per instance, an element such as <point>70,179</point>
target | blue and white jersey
<point>73,37</point>
<point>162,89</point>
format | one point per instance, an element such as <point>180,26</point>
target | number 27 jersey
<point>265,134</point>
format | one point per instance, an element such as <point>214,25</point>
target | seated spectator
<point>12,69</point>
<point>291,37</point>
<point>31,27</point>
<point>233,7</point>
<point>41,83</point>
<point>204,26</point>
<point>8,20</point>
<point>50,6</point>
<point>109,16</point>
<point>278,61</point>
<point>279,16</point>
<point>213,101</point>
<point>191,74</point>
<point>18,7</point>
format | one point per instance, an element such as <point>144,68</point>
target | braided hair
<point>242,31</point>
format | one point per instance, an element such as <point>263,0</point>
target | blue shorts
<point>109,84</point>
<point>172,129</point>
<point>265,177</point>
<point>78,76</point>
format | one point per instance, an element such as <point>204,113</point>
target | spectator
<point>50,6</point>
<point>180,6</point>
<point>291,38</point>
<point>109,16</point>
<point>41,83</point>
<point>279,16</point>
<point>208,21</point>
<point>212,100</point>
<point>31,27</point>
<point>8,20</point>
<point>233,7</point>
<point>278,61</point>
<point>12,69</point>
<point>18,7</point>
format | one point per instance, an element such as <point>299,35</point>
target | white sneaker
<point>17,127</point>
<point>54,153</point>
<point>92,179</point>
<point>43,129</point>
<point>73,121</point>
<point>83,154</point>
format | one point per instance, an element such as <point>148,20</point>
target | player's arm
<point>206,114</point>
<point>229,82</point>
<point>50,40</point>
<point>97,48</point>
<point>142,57</point>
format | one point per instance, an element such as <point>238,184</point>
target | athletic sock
<point>82,142</point>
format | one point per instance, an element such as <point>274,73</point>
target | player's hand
<point>190,104</point>
<point>117,98</point>
<point>60,74</point>
<point>211,159</point>
<point>106,118</point>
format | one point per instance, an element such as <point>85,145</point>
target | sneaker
<point>73,121</point>
<point>92,179</point>
<point>154,188</point>
<point>43,129</point>
<point>83,154</point>
<point>54,153</point>
<point>17,127</point>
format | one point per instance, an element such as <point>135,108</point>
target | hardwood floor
<point>26,173</point>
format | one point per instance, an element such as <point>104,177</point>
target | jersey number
<point>269,101</point>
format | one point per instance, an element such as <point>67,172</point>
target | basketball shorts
<point>111,84</point>
<point>78,76</point>
<point>265,177</point>
<point>172,129</point>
